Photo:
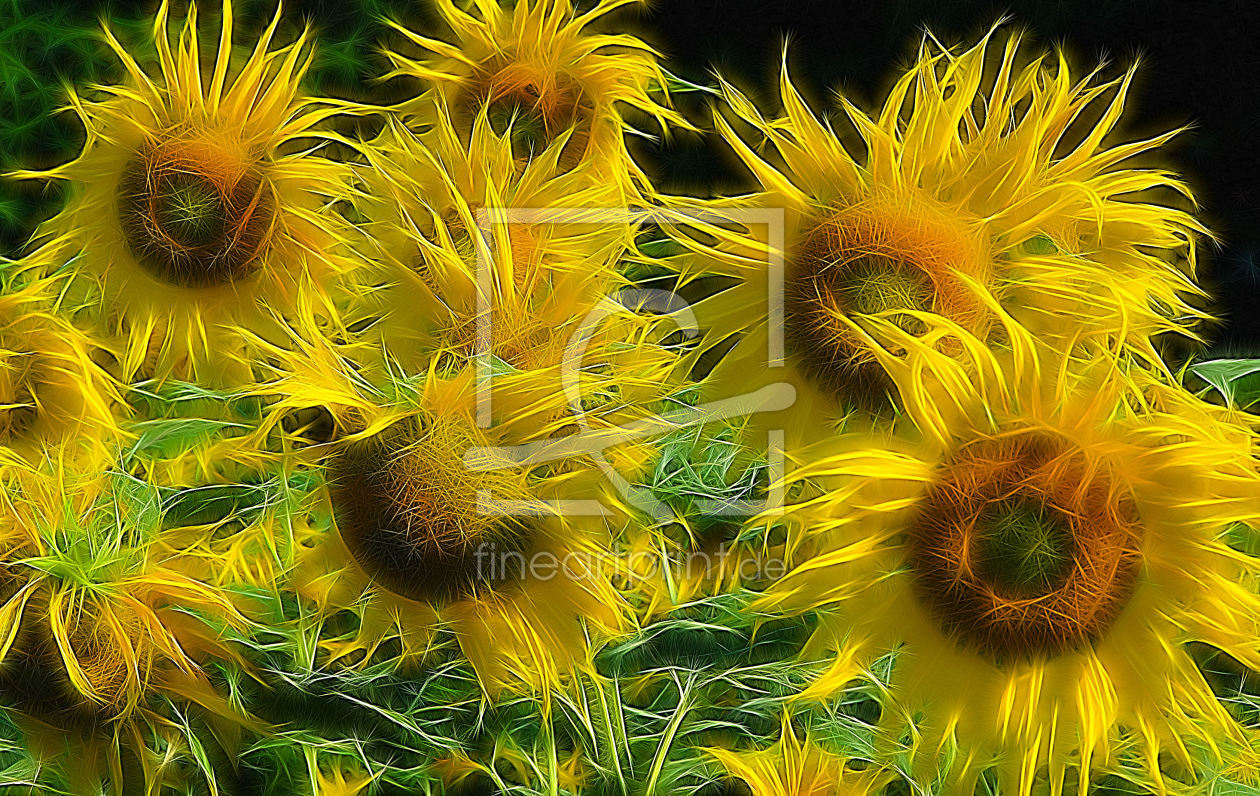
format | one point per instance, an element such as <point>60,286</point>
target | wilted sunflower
<point>1038,571</point>
<point>795,768</point>
<point>446,251</point>
<point>408,529</point>
<point>195,208</point>
<point>541,78</point>
<point>55,402</point>
<point>983,189</point>
<point>101,636</point>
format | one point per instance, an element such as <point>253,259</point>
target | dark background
<point>1200,65</point>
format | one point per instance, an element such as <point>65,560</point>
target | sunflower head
<point>55,402</point>
<point>463,243</point>
<point>1040,571</point>
<point>414,523</point>
<point>197,207</point>
<point>1025,545</point>
<point>532,108</point>
<point>875,258</point>
<point>542,78</point>
<point>195,213</point>
<point>108,653</point>
<point>408,510</point>
<point>94,612</point>
<point>987,198</point>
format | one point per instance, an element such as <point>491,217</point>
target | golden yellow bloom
<point>194,212</point>
<point>1038,566</point>
<point>540,76</point>
<point>56,403</point>
<point>795,768</point>
<point>409,534</point>
<point>98,631</point>
<point>963,208</point>
<point>444,246</point>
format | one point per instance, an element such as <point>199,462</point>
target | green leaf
<point>678,85</point>
<point>1040,245</point>
<point>1243,538</point>
<point>170,437</point>
<point>1231,378</point>
<point>206,505</point>
<point>140,503</point>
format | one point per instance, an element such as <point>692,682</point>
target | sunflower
<point>55,401</point>
<point>543,79</point>
<point>795,768</point>
<point>1038,570</point>
<point>336,783</point>
<point>438,215</point>
<point>407,530</point>
<point>101,634</point>
<point>986,192</point>
<point>194,210</point>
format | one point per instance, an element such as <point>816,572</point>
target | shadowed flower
<point>103,634</point>
<point>416,524</point>
<point>55,402</point>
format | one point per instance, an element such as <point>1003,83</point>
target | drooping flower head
<point>103,635</point>
<point>195,207</point>
<point>418,521</point>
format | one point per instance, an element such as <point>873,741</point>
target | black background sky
<point>1200,64</point>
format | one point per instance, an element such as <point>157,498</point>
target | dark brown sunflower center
<point>1023,546</point>
<point>192,217</point>
<point>408,512</point>
<point>831,280</point>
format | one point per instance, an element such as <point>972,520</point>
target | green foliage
<point>44,49</point>
<point>705,474</point>
<point>1237,381</point>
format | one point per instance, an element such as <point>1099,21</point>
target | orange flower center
<point>863,260</point>
<point>536,106</point>
<point>1025,546</point>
